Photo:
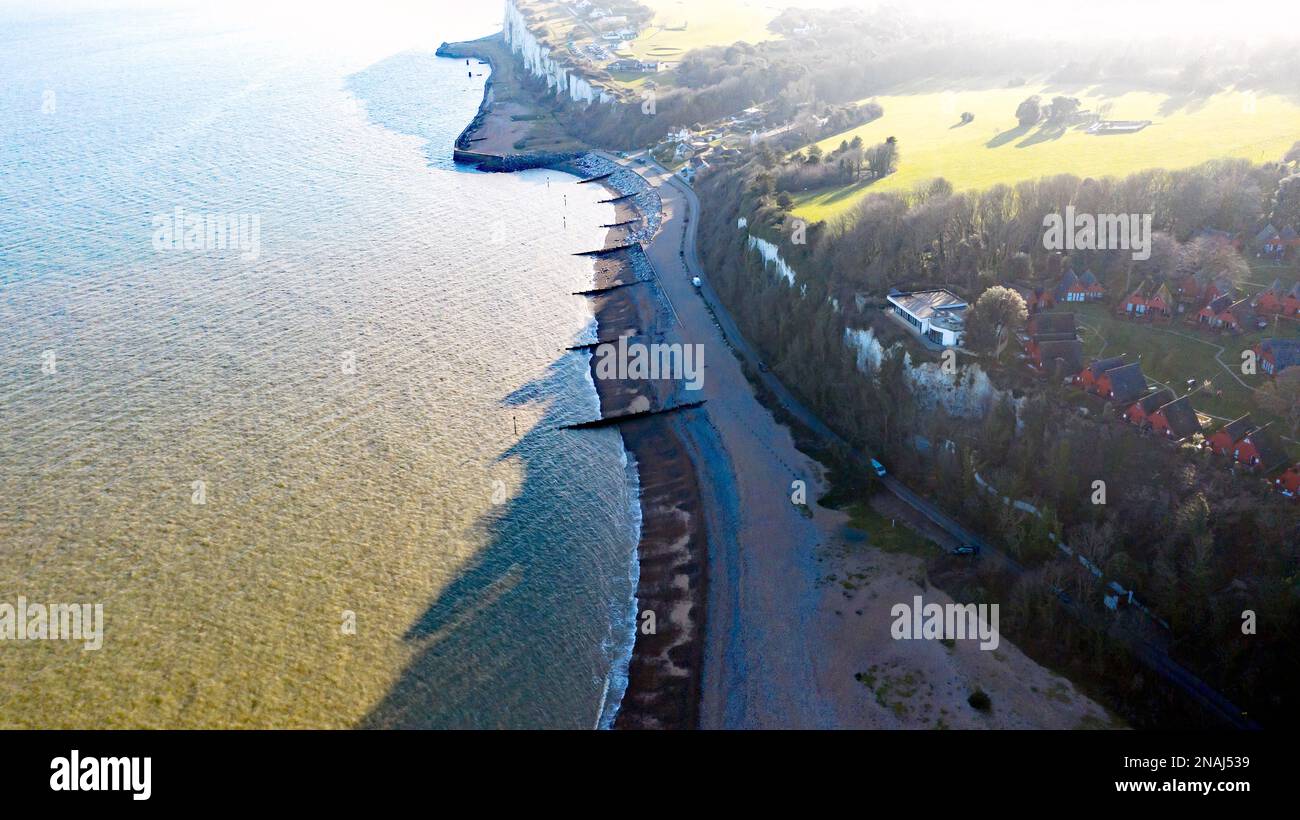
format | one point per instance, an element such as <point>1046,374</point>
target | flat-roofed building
<point>937,316</point>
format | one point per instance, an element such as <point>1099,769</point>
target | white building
<point>938,316</point>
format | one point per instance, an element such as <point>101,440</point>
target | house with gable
<point>1176,420</point>
<point>1122,385</point>
<point>1224,440</point>
<point>1276,355</point>
<point>1139,411</point>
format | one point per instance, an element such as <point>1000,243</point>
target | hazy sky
<point>1126,19</point>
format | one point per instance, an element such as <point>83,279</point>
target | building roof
<point>1219,305</point>
<point>1181,416</point>
<point>1285,352</point>
<point>1054,322</point>
<point>1154,401</point>
<point>1069,282</point>
<point>1040,338</point>
<point>1100,366</point>
<point>1267,232</point>
<point>1127,382</point>
<point>1237,428</point>
<point>1243,312</point>
<point>1070,351</point>
<point>1272,454</point>
<point>1088,280</point>
<point>941,307</point>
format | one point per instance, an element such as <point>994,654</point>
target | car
<point>762,366</point>
<point>695,280</point>
<point>967,549</point>
<point>878,467</point>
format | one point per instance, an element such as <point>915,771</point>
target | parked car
<point>967,549</point>
<point>695,280</point>
<point>878,467</point>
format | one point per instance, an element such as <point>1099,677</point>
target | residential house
<point>1220,286</point>
<point>1244,318</point>
<point>1219,237</point>
<point>1274,243</point>
<point>1288,484</point>
<point>1291,302</point>
<point>1122,385</point>
<point>1189,290</point>
<point>1224,440</point>
<point>1051,322</point>
<point>1151,300</point>
<point>1036,298</point>
<point>1092,288</point>
<point>1071,289</point>
<point>1276,355</point>
<point>1087,378</point>
<point>1176,420</point>
<point>1211,315</point>
<point>1270,301</point>
<point>1260,450</point>
<point>1138,412</point>
<point>936,315</point>
<point>1136,303</point>
<point>1061,357</point>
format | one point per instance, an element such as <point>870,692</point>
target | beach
<point>768,614</point>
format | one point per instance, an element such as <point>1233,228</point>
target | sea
<point>281,385</point>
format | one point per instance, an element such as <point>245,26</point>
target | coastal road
<point>702,314</point>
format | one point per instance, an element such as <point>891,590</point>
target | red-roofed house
<point>1224,440</point>
<point>1270,301</point>
<point>1288,484</point>
<point>1138,412</point>
<point>1087,378</point>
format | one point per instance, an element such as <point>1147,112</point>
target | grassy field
<point>707,23</point>
<point>1173,352</point>
<point>993,149</point>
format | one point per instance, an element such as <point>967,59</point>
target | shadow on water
<point>508,642</point>
<point>520,636</point>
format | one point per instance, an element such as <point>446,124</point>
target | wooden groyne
<point>616,199</point>
<point>594,345</point>
<point>620,224</point>
<point>609,250</point>
<point>596,178</point>
<point>598,291</point>
<point>624,417</point>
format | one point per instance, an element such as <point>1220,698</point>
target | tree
<point>1063,109</point>
<point>784,201</point>
<point>1282,397</point>
<point>1286,206</point>
<point>1029,112</point>
<point>997,314</point>
<point>1020,268</point>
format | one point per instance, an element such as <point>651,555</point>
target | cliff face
<point>537,60</point>
<point>966,393</point>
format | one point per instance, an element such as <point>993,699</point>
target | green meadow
<point>681,25</point>
<point>994,149</point>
